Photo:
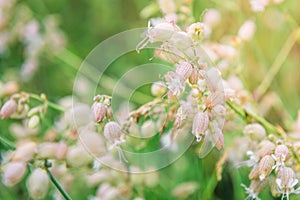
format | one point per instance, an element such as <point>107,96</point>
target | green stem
<point>50,104</point>
<point>57,185</point>
<point>274,69</point>
<point>7,143</point>
<point>244,114</point>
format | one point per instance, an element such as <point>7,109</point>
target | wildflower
<point>256,186</point>
<point>200,125</point>
<point>77,156</point>
<point>38,184</point>
<point>266,147</point>
<point>99,111</point>
<point>33,121</point>
<point>112,132</point>
<point>259,5</point>
<point>180,40</point>
<point>13,173</point>
<point>286,181</point>
<point>24,151</point>
<point>175,83</point>
<point>184,69</point>
<point>255,131</point>
<point>280,155</point>
<point>8,109</point>
<point>265,166</point>
<point>198,31</point>
<point>107,192</point>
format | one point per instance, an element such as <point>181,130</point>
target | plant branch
<point>7,143</point>
<point>57,185</point>
<point>48,103</point>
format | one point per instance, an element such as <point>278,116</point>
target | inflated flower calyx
<point>200,125</point>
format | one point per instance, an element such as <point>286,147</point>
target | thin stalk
<point>7,143</point>
<point>244,114</point>
<point>57,185</point>
<point>50,104</point>
<point>279,60</point>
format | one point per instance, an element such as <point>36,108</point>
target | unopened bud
<point>77,156</point>
<point>93,142</point>
<point>61,150</point>
<point>112,131</point>
<point>13,173</point>
<point>8,109</point>
<point>193,79</point>
<point>47,150</point>
<point>211,17</point>
<point>266,147</point>
<point>286,178</point>
<point>265,166</point>
<point>24,152</point>
<point>281,152</point>
<point>99,111</point>
<point>255,131</point>
<point>200,125</point>
<point>184,69</point>
<point>218,139</point>
<point>38,184</point>
<point>33,121</point>
<point>254,173</point>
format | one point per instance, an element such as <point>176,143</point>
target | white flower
<point>286,182</point>
<point>38,184</point>
<point>175,83</point>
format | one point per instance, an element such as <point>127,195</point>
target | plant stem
<point>244,114</point>
<point>7,143</point>
<point>50,104</point>
<point>57,185</point>
<point>274,69</point>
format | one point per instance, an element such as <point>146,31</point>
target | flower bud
<point>286,178</point>
<point>265,166</point>
<point>266,147</point>
<point>13,173</point>
<point>254,173</point>
<point>281,152</point>
<point>47,150</point>
<point>99,111</point>
<point>247,30</point>
<point>38,184</point>
<point>158,89</point>
<point>148,129</point>
<point>61,150</point>
<point>218,138</point>
<point>33,121</point>
<point>184,69</point>
<point>8,109</point>
<point>160,32</point>
<point>93,142</point>
<point>112,132</point>
<point>255,131</point>
<point>77,156</point>
<point>193,79</point>
<point>24,152</point>
<point>200,125</point>
<point>107,192</point>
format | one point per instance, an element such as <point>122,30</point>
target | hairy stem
<point>50,104</point>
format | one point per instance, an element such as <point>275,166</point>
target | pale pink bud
<point>33,121</point>
<point>167,6</point>
<point>193,79</point>
<point>180,40</point>
<point>109,112</point>
<point>47,150</point>
<point>158,88</point>
<point>13,173</point>
<point>61,150</point>
<point>266,147</point>
<point>107,192</point>
<point>8,109</point>
<point>112,131</point>
<point>38,184</point>
<point>77,156</point>
<point>247,30</point>
<point>286,179</point>
<point>257,186</point>
<point>24,152</point>
<point>255,131</point>
<point>218,138</point>
<point>281,152</point>
<point>200,125</point>
<point>265,166</point>
<point>184,69</point>
<point>93,143</point>
<point>99,111</point>
<point>254,173</point>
